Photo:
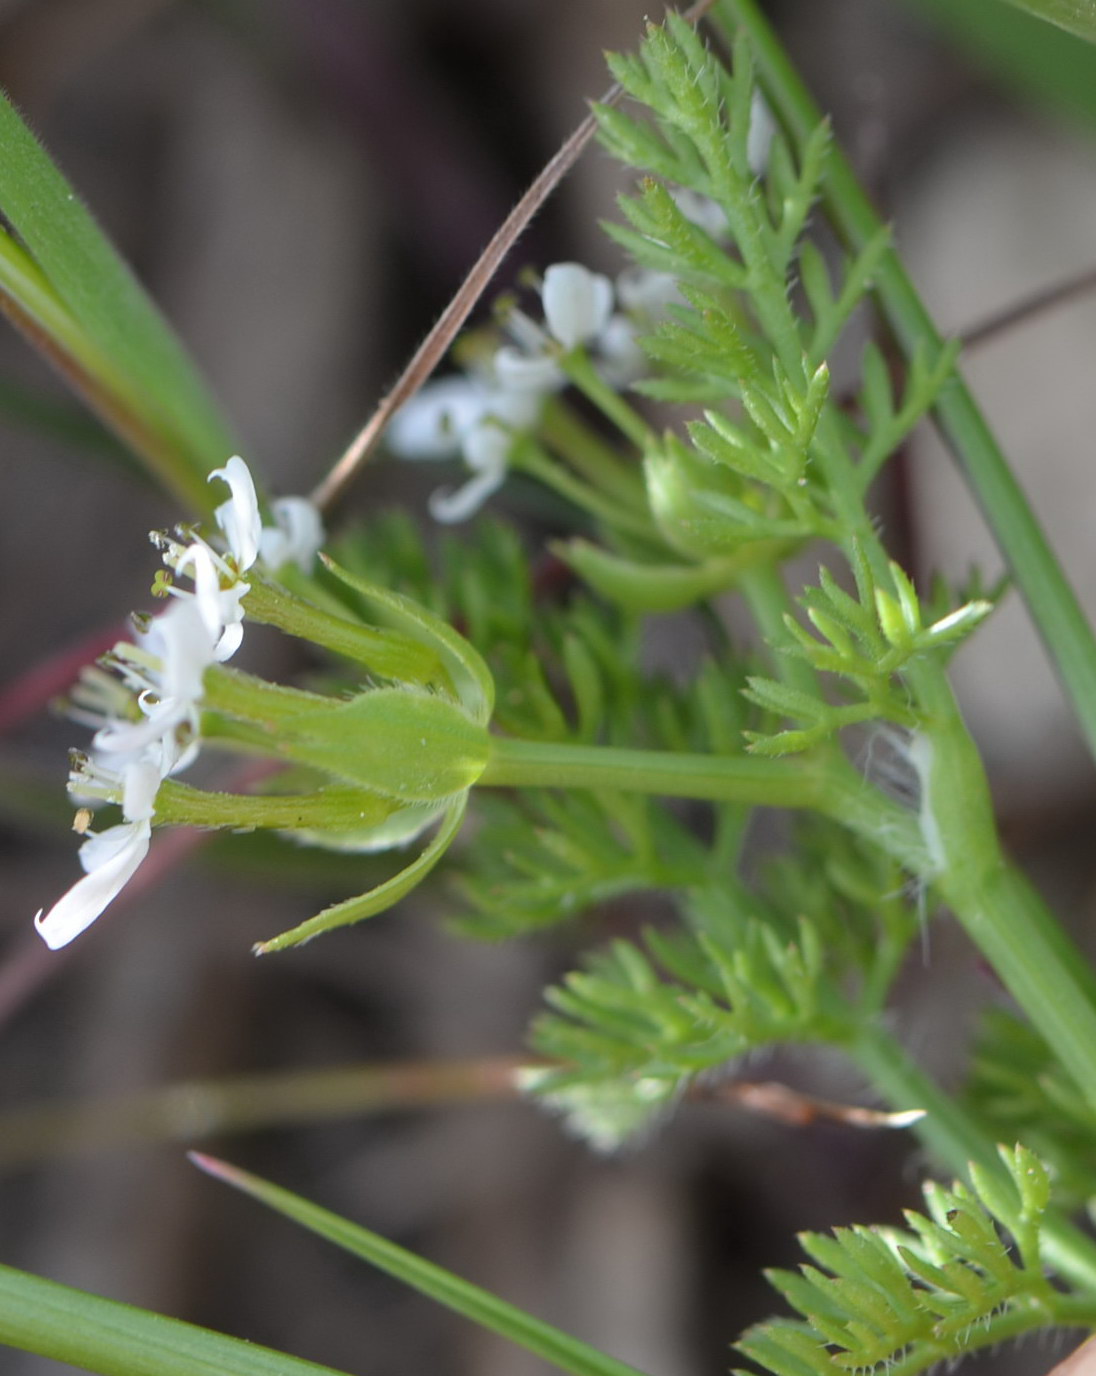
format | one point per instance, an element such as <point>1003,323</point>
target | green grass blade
<point>1053,605</point>
<point>483,1308</point>
<point>1037,59</point>
<point>111,1339</point>
<point>1076,16</point>
<point>66,422</point>
<point>88,313</point>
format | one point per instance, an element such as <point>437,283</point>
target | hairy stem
<point>1052,602</point>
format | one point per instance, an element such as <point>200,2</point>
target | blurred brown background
<point>301,183</point>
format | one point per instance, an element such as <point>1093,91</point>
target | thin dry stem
<point>1028,308</point>
<point>438,342</point>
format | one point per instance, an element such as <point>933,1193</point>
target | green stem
<point>530,458</point>
<point>1038,964</point>
<point>823,780</point>
<point>1002,913</point>
<point>955,1139</point>
<point>591,457</point>
<point>730,779</point>
<point>767,597</point>
<point>1051,601</point>
<point>588,380</point>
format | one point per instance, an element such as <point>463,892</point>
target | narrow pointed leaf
<point>483,1308</point>
<point>111,1339</point>
<point>476,686</point>
<point>376,900</point>
<point>127,361</point>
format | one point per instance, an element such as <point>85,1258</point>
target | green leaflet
<point>888,1299</point>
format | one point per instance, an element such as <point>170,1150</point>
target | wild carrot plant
<point>516,750</point>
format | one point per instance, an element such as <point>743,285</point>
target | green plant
<point>451,689</point>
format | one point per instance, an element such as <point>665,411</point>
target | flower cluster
<point>146,712</point>
<point>478,415</point>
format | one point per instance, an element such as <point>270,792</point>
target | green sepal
<point>388,653</point>
<point>378,899</point>
<point>399,826</point>
<point>475,687</point>
<point>334,807</point>
<point>645,587</point>
<point>414,746</point>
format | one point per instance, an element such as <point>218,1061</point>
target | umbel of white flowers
<point>163,669</point>
<point>479,415</point>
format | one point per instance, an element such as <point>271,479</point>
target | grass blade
<point>112,1339</point>
<point>87,312</point>
<point>483,1308</point>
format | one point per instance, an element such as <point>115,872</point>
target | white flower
<point>760,137</point>
<point>577,303</point>
<point>163,674</point>
<point>486,451</point>
<point>238,518</point>
<point>109,858</point>
<point>296,536</point>
<point>166,672</point>
<point>527,375</point>
<point>620,358</point>
<point>431,424</point>
<point>701,211</point>
<point>220,606</point>
<point>479,415</point>
<point>646,292</point>
<point>475,416</point>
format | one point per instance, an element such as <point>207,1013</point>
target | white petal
<point>528,375</point>
<point>702,211</point>
<point>100,848</point>
<point>133,737</point>
<point>232,619</point>
<point>450,506</point>
<point>296,536</point>
<point>577,303</point>
<point>430,425</point>
<point>198,560</point>
<point>486,448</point>
<point>232,637</point>
<point>640,289</point>
<point>238,518</point>
<point>760,137</point>
<point>116,863</point>
<point>620,359</point>
<point>184,645</point>
<point>529,337</point>
<point>140,784</point>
